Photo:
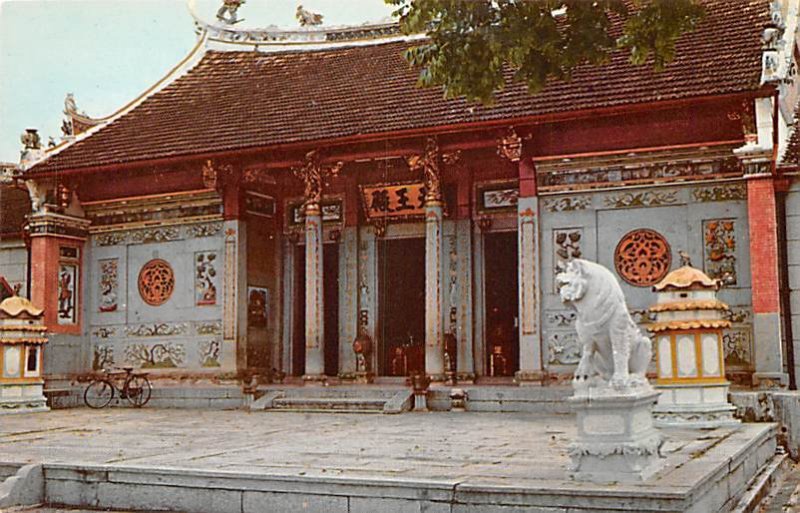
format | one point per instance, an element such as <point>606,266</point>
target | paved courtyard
<point>514,449</point>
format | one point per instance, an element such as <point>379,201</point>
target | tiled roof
<point>791,157</point>
<point>234,100</point>
<point>686,277</point>
<point>14,205</point>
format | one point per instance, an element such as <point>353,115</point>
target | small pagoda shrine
<point>22,338</point>
<point>690,359</point>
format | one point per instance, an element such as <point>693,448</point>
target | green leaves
<point>474,47</point>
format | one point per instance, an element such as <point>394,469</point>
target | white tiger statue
<point>615,354</point>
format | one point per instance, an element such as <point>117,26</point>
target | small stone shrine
<point>617,441</point>
<point>691,365</point>
<point>22,337</point>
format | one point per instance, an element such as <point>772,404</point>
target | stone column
<point>315,325</point>
<point>312,173</point>
<point>530,348</point>
<point>428,164</point>
<point>434,344</point>
<point>464,322</point>
<point>225,180</point>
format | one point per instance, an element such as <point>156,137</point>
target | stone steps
<point>338,404</point>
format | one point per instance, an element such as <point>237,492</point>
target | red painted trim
<point>438,129</point>
<point>637,150</point>
<point>527,179</point>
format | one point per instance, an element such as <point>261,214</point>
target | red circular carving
<point>156,282</point>
<point>643,257</point>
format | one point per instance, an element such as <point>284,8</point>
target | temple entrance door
<point>401,345</point>
<point>330,272</point>
<point>502,303</point>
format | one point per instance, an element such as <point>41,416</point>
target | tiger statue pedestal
<point>613,401</point>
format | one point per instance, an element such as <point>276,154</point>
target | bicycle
<point>136,388</point>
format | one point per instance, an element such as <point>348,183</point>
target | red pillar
<point>763,244</point>
<point>57,245</point>
<point>765,280</point>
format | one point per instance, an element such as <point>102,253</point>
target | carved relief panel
<point>68,285</point>
<point>719,250</point>
<point>642,257</point>
<point>156,282</point>
<point>205,278</point>
<point>108,285</point>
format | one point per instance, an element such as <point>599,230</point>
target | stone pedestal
<point>22,340</point>
<point>617,441</point>
<point>692,406</point>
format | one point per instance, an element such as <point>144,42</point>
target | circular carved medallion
<point>156,282</point>
<point>643,257</point>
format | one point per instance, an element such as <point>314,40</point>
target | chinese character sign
<point>403,200</point>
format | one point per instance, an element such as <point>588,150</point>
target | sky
<point>107,52</point>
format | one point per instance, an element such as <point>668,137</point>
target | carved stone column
<point>428,163</point>
<point>530,346</point>
<point>312,173</point>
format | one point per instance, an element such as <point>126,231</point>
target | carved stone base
<point>465,377</point>
<point>22,398</point>
<point>23,406</point>
<point>421,402</point>
<point>617,441</point>
<point>438,378</point>
<point>694,406</point>
<point>770,380</point>
<point>362,377</point>
<point>315,379</point>
<point>528,378</point>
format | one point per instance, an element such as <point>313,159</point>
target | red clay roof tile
<point>235,100</point>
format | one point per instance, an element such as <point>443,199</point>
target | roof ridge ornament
<point>309,33</point>
<point>230,7</point>
<point>307,18</point>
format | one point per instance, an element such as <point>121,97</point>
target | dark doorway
<point>330,264</point>
<point>299,314</point>
<point>401,348</point>
<point>502,303</point>
<point>330,271</point>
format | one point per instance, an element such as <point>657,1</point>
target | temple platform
<point>484,397</point>
<point>235,461</point>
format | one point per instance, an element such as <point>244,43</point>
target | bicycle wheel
<point>139,390</point>
<point>98,394</point>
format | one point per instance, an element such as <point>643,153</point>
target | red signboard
<point>393,201</point>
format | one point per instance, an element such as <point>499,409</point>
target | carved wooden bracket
<point>428,164</point>
<point>213,174</point>
<point>510,145</point>
<point>312,172</point>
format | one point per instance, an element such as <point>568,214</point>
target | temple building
<point>282,192</point>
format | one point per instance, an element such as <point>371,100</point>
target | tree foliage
<point>473,44</point>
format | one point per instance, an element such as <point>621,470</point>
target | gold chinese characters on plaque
<point>393,201</point>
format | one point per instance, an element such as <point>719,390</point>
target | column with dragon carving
<point>429,164</point>
<point>312,172</point>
